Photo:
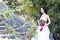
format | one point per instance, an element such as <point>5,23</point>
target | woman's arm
<point>38,21</point>
<point>49,21</point>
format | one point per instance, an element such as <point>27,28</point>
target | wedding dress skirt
<point>44,34</point>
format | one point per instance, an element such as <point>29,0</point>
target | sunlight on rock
<point>20,0</point>
<point>1,1</point>
<point>3,38</point>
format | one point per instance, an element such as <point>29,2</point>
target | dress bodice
<point>44,18</point>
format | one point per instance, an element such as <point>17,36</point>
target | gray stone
<point>51,36</point>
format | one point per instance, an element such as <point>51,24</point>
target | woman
<point>44,34</point>
<point>43,30</point>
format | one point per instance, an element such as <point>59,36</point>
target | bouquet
<point>41,24</point>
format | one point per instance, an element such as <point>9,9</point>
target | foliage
<point>7,13</point>
<point>32,31</point>
<point>32,7</point>
<point>9,28</point>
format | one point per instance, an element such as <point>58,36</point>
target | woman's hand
<point>46,24</point>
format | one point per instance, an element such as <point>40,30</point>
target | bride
<point>43,30</point>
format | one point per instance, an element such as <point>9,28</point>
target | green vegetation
<point>32,8</point>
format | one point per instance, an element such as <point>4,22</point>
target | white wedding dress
<point>44,34</point>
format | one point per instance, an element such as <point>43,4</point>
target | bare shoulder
<point>47,15</point>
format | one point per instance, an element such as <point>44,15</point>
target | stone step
<point>6,34</point>
<point>1,19</point>
<point>3,22</point>
<point>3,30</point>
<point>2,26</point>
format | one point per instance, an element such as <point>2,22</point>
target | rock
<point>15,22</point>
<point>51,36</point>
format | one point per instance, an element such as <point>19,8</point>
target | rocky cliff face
<point>16,23</point>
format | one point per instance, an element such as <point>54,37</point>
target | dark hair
<point>45,10</point>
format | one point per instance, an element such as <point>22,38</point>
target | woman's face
<point>42,10</point>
